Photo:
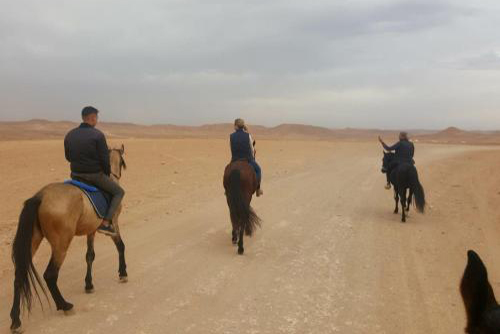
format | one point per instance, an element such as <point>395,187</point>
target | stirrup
<point>259,192</point>
<point>388,186</point>
<point>107,230</point>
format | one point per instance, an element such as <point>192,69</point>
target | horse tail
<point>242,213</point>
<point>26,276</point>
<point>418,190</point>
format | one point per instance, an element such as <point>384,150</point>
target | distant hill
<point>453,135</point>
<point>37,129</point>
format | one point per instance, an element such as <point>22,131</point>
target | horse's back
<point>248,177</point>
<point>247,172</point>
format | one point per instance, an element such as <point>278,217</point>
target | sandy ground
<point>330,257</point>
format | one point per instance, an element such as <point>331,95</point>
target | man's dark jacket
<point>240,146</point>
<point>404,150</point>
<point>87,151</point>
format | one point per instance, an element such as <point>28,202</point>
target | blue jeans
<point>258,170</point>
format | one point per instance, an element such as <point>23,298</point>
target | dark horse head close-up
<point>483,311</point>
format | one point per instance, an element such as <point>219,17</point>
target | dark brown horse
<point>483,311</point>
<point>58,212</point>
<point>240,182</point>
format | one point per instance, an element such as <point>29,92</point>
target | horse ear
<point>476,290</point>
<point>122,150</point>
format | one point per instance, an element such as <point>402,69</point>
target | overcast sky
<point>343,63</point>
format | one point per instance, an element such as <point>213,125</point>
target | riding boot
<point>259,191</point>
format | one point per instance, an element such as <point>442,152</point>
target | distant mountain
<point>43,129</point>
<point>453,135</point>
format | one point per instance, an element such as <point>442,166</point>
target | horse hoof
<point>16,328</point>
<point>68,309</point>
<point>241,251</point>
<point>89,291</point>
<point>123,279</point>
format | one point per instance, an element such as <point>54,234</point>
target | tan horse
<point>58,212</point>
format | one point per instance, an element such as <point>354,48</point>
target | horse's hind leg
<point>52,274</point>
<point>403,205</point>
<point>89,257</point>
<point>396,199</point>
<point>234,233</point>
<point>234,238</point>
<point>122,269</point>
<point>241,250</point>
<point>410,199</point>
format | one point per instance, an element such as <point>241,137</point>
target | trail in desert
<point>330,257</point>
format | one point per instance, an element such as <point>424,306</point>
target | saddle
<point>100,199</point>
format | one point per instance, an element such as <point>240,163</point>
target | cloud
<point>487,61</point>
<point>191,61</point>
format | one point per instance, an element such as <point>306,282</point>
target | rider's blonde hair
<point>239,123</point>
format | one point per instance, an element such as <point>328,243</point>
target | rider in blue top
<point>242,148</point>
<point>404,151</point>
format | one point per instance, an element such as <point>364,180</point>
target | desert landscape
<point>331,257</point>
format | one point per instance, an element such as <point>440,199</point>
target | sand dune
<point>42,129</point>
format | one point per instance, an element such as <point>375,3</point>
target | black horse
<point>405,177</point>
<point>483,311</point>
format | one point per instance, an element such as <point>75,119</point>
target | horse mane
<point>123,164</point>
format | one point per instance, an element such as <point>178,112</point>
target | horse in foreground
<point>57,212</point>
<point>404,179</point>
<point>483,311</point>
<point>240,183</point>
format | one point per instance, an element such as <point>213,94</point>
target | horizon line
<point>251,124</point>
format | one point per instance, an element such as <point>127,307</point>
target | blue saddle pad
<point>99,199</point>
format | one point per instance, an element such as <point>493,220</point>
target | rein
<point>122,164</point>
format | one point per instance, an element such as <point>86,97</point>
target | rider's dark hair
<point>89,111</point>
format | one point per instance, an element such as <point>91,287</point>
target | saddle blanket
<point>99,199</point>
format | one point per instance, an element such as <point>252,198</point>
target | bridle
<point>122,164</point>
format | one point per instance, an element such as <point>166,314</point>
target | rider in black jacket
<point>404,152</point>
<point>86,149</point>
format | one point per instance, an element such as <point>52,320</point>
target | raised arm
<point>387,147</point>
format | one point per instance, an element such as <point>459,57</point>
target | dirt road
<point>330,258</point>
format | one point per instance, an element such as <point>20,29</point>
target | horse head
<point>386,160</point>
<point>483,311</point>
<point>117,161</point>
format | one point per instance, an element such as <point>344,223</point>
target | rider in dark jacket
<point>404,152</point>
<point>242,148</point>
<point>86,149</point>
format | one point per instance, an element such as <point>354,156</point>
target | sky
<point>387,64</point>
